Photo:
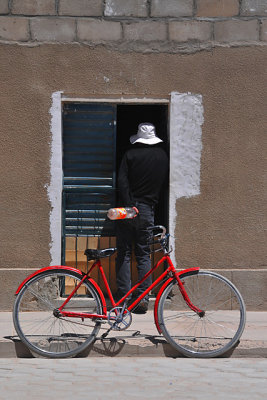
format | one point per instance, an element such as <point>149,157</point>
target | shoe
<point>141,308</point>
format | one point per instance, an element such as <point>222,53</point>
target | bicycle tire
<point>49,335</point>
<point>211,335</point>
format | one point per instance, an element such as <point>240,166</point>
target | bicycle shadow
<point>138,345</point>
<point>21,350</point>
<point>105,347</point>
<point>169,351</point>
<point>132,347</point>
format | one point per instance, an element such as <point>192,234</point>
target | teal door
<point>89,156</point>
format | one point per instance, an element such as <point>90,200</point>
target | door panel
<point>89,149</point>
<point>89,145</point>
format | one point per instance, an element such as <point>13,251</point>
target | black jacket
<point>142,172</point>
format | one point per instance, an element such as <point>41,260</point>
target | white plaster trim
<point>54,189</point>
<point>186,118</point>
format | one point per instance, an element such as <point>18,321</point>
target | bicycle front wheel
<point>39,325</point>
<point>211,335</point>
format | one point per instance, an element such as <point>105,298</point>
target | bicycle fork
<point>197,310</point>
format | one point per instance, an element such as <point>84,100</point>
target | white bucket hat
<point>146,134</point>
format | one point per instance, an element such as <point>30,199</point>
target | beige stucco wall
<point>223,228</point>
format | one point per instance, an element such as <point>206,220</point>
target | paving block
<point>236,30</point>
<point>146,31</point>
<point>217,8</point>
<point>14,28</point>
<point>172,8</point>
<point>183,31</point>
<point>53,29</point>
<point>253,7</point>
<point>33,7</point>
<point>98,30</point>
<point>129,8</point>
<point>4,7</point>
<point>81,8</point>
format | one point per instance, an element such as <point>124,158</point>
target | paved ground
<point>147,344</point>
<point>133,378</point>
<point>136,367</point>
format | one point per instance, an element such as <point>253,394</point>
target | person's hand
<point>137,211</point>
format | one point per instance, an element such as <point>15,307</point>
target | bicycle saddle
<point>93,254</point>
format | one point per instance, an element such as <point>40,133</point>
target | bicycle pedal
<point>104,335</point>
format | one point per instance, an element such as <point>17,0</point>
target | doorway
<point>95,137</point>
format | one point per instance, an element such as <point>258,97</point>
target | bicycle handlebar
<point>162,238</point>
<point>161,227</point>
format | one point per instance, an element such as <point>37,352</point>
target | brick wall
<point>156,25</point>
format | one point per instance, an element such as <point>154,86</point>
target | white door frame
<point>186,119</point>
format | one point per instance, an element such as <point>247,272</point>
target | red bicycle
<point>200,313</point>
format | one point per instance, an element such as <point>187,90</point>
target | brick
<point>254,7</point>
<point>217,8</point>
<point>3,6</point>
<point>146,31</point>
<point>236,30</point>
<point>128,8</point>
<point>53,29</point>
<point>33,7</point>
<point>14,28</point>
<point>264,30</point>
<point>98,30</point>
<point>183,31</point>
<point>86,8</point>
<point>171,8</point>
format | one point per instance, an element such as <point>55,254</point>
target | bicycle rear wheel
<point>37,323</point>
<point>211,335</point>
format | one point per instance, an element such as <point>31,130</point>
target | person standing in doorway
<point>143,170</point>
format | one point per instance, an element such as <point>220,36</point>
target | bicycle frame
<point>169,271</point>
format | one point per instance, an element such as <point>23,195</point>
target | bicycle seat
<point>93,254</point>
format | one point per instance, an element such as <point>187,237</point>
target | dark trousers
<point>134,232</point>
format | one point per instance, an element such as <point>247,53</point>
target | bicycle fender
<point>189,271</point>
<point>65,267</point>
<point>39,271</point>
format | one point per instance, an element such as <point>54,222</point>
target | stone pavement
<point>133,379</point>
<point>146,344</point>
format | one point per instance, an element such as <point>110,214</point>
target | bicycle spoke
<point>219,307</point>
<point>221,326</point>
<point>45,301</point>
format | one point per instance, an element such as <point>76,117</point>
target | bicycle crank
<point>119,318</point>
